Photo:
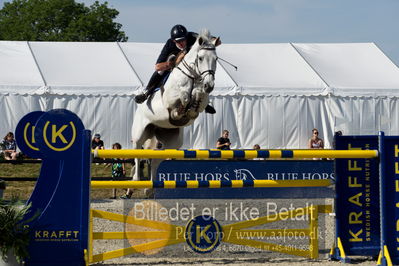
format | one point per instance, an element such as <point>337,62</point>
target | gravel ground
<point>226,212</point>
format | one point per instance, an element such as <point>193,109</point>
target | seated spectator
<point>315,142</point>
<point>256,147</point>
<point>9,147</point>
<point>223,142</point>
<point>97,143</point>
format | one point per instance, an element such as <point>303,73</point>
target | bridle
<point>191,73</point>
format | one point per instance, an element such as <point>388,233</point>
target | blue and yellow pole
<point>236,154</point>
<point>211,184</point>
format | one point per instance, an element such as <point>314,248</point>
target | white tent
<point>279,93</point>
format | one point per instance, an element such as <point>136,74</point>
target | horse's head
<point>201,60</point>
<point>193,80</point>
<point>206,61</point>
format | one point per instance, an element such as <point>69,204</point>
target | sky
<point>265,21</point>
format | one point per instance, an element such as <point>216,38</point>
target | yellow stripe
<point>237,183</point>
<point>313,226</point>
<point>121,184</point>
<point>192,184</point>
<point>274,153</point>
<point>325,208</point>
<point>90,244</point>
<point>132,220</point>
<point>228,154</point>
<point>293,183</point>
<point>169,184</point>
<point>250,154</point>
<point>379,258</point>
<point>215,184</point>
<point>341,248</point>
<point>134,249</point>
<point>135,235</point>
<point>388,257</point>
<point>203,154</point>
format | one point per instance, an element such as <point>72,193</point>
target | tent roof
<point>93,68</point>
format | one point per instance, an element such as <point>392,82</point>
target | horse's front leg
<point>199,96</point>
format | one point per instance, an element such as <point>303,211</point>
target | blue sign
<point>177,170</point>
<point>357,198</point>
<point>60,233</point>
<point>390,198</point>
<point>203,234</point>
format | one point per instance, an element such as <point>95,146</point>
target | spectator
<point>97,143</point>
<point>9,147</point>
<point>118,169</point>
<point>315,142</point>
<point>257,147</point>
<point>223,142</point>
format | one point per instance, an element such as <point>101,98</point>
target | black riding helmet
<point>178,32</point>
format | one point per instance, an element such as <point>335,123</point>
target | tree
<point>59,20</point>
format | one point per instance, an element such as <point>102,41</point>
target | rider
<point>173,51</point>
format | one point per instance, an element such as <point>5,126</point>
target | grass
<point>23,189</point>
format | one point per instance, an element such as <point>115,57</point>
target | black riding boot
<point>154,82</point>
<point>210,110</point>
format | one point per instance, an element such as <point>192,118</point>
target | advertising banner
<point>357,198</point>
<point>390,204</point>
<point>205,170</point>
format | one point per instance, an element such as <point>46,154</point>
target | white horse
<point>178,103</point>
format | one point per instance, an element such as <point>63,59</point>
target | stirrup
<point>210,110</point>
<point>140,98</point>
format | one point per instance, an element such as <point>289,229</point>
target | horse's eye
<point>200,59</point>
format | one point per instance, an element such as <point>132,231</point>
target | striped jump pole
<point>234,154</point>
<point>211,184</point>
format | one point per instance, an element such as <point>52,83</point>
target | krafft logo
<point>59,137</point>
<point>203,234</point>
<point>57,132</point>
<point>29,136</point>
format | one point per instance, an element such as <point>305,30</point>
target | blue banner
<point>390,204</point>
<point>357,198</point>
<point>178,170</point>
<point>59,233</point>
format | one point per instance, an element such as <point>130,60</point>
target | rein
<point>192,73</point>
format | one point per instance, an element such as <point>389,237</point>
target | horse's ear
<point>216,41</point>
<point>200,41</point>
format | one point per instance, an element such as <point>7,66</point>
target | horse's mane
<point>205,34</point>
